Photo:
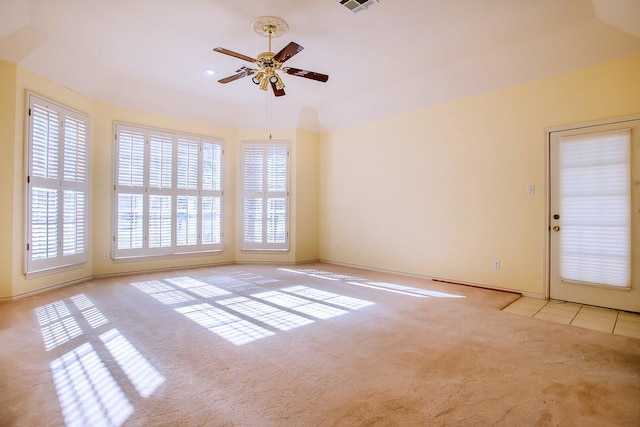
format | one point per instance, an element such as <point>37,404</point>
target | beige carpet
<point>313,345</point>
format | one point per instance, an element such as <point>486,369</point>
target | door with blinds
<point>595,214</point>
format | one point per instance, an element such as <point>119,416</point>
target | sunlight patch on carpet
<point>266,313</point>
<point>164,293</point>
<point>301,305</point>
<point>320,274</point>
<point>88,394</point>
<point>406,290</point>
<point>328,297</point>
<point>224,324</point>
<point>57,325</point>
<point>198,287</point>
<point>92,315</point>
<point>239,319</point>
<point>144,377</point>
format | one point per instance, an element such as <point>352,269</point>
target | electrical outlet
<point>105,255</point>
<point>496,264</point>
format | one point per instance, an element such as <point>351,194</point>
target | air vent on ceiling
<point>357,5</point>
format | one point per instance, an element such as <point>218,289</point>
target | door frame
<point>547,181</point>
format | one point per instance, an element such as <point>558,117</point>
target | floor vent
<point>357,5</point>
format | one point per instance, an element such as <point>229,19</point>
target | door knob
<point>556,228</point>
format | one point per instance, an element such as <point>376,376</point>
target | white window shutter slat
<point>73,237</point>
<point>131,158</point>
<point>252,172</point>
<point>75,150</point>
<point>211,167</point>
<point>211,220</point>
<point>187,164</point>
<point>160,219</point>
<point>160,162</point>
<point>276,220</point>
<point>44,223</point>
<point>277,169</point>
<point>187,220</point>
<point>130,222</point>
<point>44,142</point>
<point>253,219</point>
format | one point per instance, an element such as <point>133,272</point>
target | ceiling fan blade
<point>276,91</point>
<point>243,72</point>
<point>234,54</point>
<point>306,74</point>
<point>287,52</point>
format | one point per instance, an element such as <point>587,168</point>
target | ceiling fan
<point>270,63</point>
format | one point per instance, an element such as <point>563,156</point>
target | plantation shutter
<point>130,187</point>
<point>595,245</point>
<point>265,178</point>
<point>75,187</point>
<point>57,186</point>
<point>187,200</point>
<point>168,193</point>
<point>276,195</point>
<point>211,193</point>
<point>160,191</point>
<point>43,181</point>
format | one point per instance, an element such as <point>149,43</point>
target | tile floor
<point>585,316</point>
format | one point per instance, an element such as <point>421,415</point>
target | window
<point>57,173</point>
<point>168,193</point>
<point>265,196</point>
<point>595,207</point>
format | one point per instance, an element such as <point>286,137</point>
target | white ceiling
<point>397,55</point>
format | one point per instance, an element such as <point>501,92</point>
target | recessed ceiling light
<point>209,72</point>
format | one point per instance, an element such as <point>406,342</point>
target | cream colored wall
<point>15,81</point>
<point>454,179</point>
<point>306,171</point>
<point>443,191</point>
<point>8,159</point>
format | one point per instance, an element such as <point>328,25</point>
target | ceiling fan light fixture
<point>274,79</point>
<point>264,83</point>
<point>279,84</point>
<point>257,78</point>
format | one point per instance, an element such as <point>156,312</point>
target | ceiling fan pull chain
<point>269,117</point>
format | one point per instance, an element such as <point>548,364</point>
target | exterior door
<point>594,219</point>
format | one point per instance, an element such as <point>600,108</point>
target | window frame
<point>265,246</point>
<point>146,191</point>
<point>61,185</point>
